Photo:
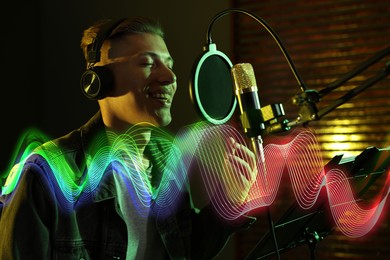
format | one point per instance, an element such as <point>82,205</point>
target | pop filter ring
<point>218,114</point>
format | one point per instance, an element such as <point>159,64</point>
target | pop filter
<point>211,86</point>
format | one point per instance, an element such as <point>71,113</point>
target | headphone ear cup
<point>97,82</point>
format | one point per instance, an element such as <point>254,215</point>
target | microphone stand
<point>257,144</point>
<point>257,118</point>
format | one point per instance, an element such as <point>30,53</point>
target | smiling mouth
<point>161,97</point>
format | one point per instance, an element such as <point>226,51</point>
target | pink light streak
<point>300,154</point>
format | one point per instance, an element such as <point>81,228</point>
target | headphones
<point>97,81</point>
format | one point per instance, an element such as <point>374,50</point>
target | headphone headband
<point>93,49</point>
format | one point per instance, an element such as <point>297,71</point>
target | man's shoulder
<point>75,144</point>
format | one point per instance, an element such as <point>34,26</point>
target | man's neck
<point>141,136</point>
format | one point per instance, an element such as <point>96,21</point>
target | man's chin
<point>165,122</point>
<point>163,119</point>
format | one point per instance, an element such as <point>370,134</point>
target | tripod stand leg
<point>272,228</point>
<point>311,240</point>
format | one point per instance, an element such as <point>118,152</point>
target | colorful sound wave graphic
<point>235,182</point>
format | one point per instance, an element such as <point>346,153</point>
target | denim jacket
<point>36,224</point>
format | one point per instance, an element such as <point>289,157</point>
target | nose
<point>166,75</point>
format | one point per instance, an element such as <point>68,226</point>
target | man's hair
<point>132,25</point>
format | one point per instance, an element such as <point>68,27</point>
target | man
<point>73,199</point>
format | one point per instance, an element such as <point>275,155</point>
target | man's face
<point>144,81</point>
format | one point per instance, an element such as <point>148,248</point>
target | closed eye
<point>148,64</point>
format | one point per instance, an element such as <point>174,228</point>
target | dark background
<point>41,65</point>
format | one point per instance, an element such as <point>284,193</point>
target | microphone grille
<point>243,76</point>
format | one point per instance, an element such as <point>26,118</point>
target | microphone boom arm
<point>307,99</point>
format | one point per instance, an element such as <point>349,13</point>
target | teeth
<point>159,95</point>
